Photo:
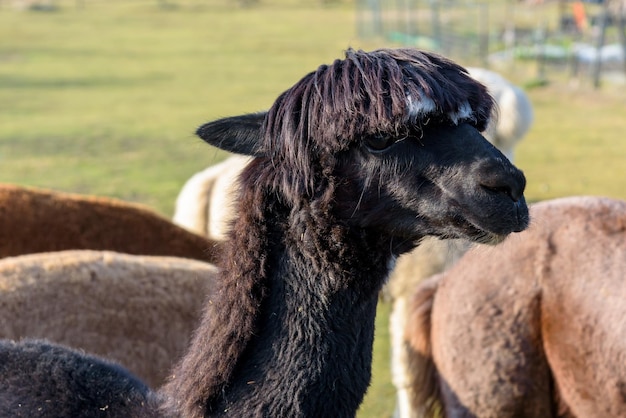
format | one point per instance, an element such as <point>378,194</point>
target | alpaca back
<point>536,324</point>
<point>35,220</point>
<point>583,312</point>
<point>42,380</point>
<point>137,310</point>
<point>205,203</point>
<point>479,297</point>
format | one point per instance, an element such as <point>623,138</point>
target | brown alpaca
<point>137,310</point>
<point>535,327</point>
<point>33,221</point>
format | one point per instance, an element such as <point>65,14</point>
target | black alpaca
<point>349,174</point>
<point>355,164</point>
<point>40,380</point>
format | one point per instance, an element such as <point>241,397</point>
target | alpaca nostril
<point>502,181</point>
<point>505,190</point>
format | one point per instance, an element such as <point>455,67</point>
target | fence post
<point>597,64</point>
<point>621,30</point>
<point>542,37</point>
<point>369,18</point>
<point>436,24</point>
<point>483,33</point>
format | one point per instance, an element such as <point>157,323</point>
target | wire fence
<point>573,38</point>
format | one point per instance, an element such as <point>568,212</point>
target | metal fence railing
<point>581,39</point>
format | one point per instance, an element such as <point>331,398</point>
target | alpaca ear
<point>237,134</point>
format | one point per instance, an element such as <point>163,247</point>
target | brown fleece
<point>137,310</point>
<point>536,326</point>
<point>33,221</point>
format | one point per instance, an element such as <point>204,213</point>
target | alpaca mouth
<point>472,232</point>
<point>495,226</point>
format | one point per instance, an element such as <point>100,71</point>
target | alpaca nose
<point>506,190</point>
<point>510,182</point>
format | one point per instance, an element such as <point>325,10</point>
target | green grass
<point>105,99</point>
<point>577,144</point>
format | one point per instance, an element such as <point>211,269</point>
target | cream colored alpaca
<point>204,205</point>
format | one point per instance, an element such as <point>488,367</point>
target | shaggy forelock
<point>391,91</point>
<point>387,90</point>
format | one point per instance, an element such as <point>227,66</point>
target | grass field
<point>104,99</point>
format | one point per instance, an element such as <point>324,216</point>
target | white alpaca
<point>515,111</point>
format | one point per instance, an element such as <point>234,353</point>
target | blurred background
<point>103,96</point>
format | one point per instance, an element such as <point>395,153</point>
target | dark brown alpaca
<point>35,221</point>
<point>535,327</point>
<point>354,165</point>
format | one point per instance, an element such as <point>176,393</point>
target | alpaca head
<point>388,141</point>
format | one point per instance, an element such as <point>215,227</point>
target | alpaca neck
<point>311,353</point>
<point>306,349</point>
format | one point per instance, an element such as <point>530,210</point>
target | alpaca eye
<point>378,142</point>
